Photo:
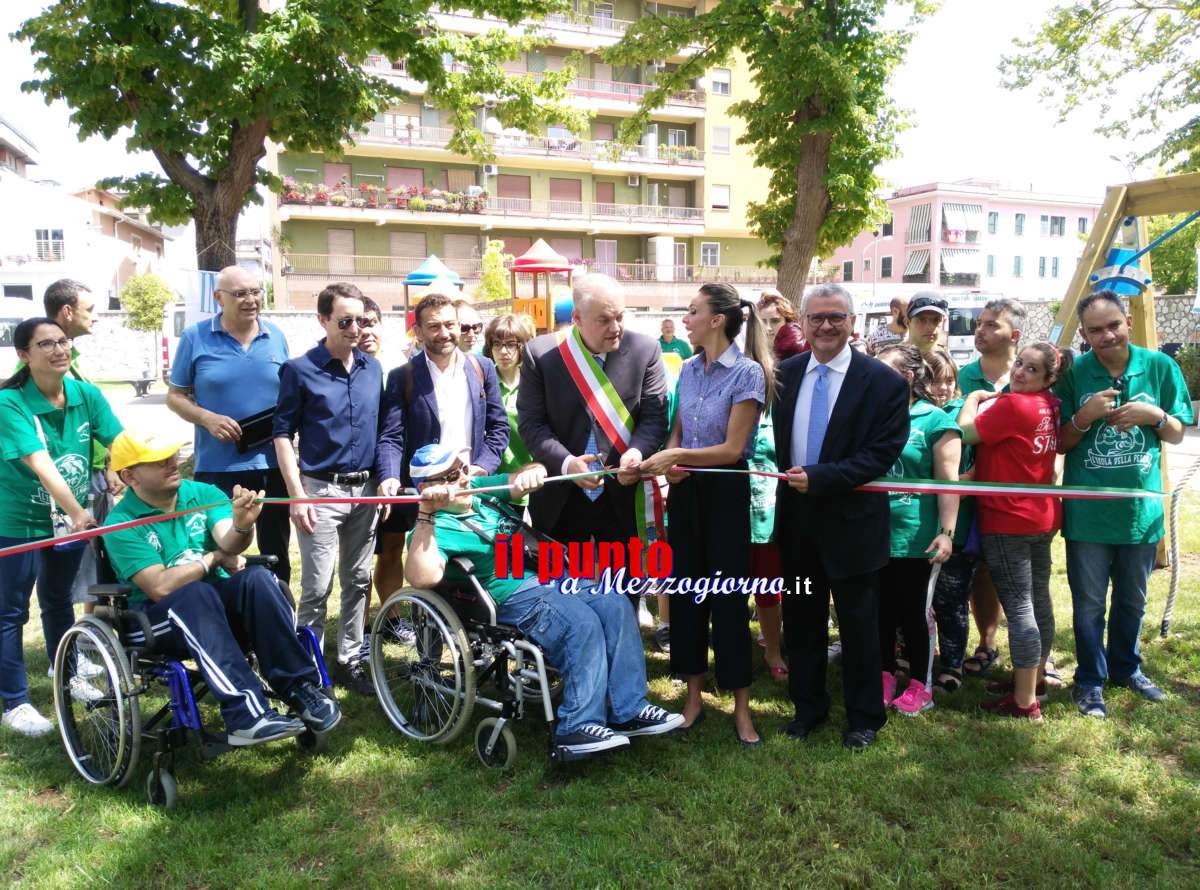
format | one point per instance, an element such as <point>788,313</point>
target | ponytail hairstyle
<point>1057,362</point>
<point>22,340</point>
<point>910,361</point>
<point>723,299</point>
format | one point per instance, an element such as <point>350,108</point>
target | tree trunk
<point>812,206</point>
<point>216,233</point>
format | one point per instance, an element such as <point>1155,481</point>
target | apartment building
<point>661,215</point>
<point>969,235</point>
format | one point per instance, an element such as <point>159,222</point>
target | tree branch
<point>182,173</point>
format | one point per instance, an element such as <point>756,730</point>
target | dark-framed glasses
<point>361,321</point>
<point>48,346</point>
<point>833,319</point>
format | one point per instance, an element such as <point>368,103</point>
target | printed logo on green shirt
<point>915,437</point>
<point>76,471</point>
<point>1112,449</point>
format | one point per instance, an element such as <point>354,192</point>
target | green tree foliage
<point>144,297</point>
<point>493,279</point>
<point>1173,263</point>
<point>202,84</point>
<point>1088,55</point>
<point>821,121</point>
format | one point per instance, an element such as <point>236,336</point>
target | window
<point>1041,267</point>
<point>50,245</point>
<point>848,270</point>
<point>1054,268</point>
<point>886,229</point>
<point>1016,267</point>
<point>885,267</point>
<point>1082,223</point>
<point>1058,226</point>
<point>866,265</point>
<point>993,222</point>
<point>991,267</point>
<point>19,292</point>
<point>710,253</point>
<point>720,140</point>
<point>677,138</point>
<point>1019,224</point>
<point>720,197</point>
<point>720,81</point>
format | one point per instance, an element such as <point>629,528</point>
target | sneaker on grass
<point>319,712</point>
<point>1090,701</point>
<point>26,720</point>
<point>662,637</point>
<point>913,700</point>
<point>356,677</point>
<point>1008,707</point>
<point>651,720</point>
<point>270,728</point>
<point>591,738</point>
<point>83,691</point>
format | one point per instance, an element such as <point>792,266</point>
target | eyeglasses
<point>367,322</point>
<point>513,345</point>
<point>471,328</point>
<point>63,343</point>
<point>833,319</point>
<point>245,293</point>
<point>361,321</point>
<point>449,476</point>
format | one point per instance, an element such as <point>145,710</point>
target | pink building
<point>969,235</point>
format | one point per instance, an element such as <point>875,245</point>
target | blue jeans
<point>1089,569</point>
<point>592,638</point>
<point>54,571</point>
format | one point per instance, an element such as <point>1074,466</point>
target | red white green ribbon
<point>614,419</point>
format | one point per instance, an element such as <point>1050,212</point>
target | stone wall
<point>1176,321</point>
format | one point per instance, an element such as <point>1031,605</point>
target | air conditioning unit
<point>491,169</point>
<point>633,181</point>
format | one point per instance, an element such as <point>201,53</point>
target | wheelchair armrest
<point>269,560</point>
<point>142,620</point>
<point>468,568</point>
<point>111,594</point>
<point>463,564</point>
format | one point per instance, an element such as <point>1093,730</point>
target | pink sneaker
<point>915,699</point>
<point>889,688</point>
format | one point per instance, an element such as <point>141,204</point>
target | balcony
<point>657,159</point>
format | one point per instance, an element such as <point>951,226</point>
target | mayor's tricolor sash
<point>613,417</point>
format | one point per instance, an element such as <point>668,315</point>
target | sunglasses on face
<point>471,328</point>
<point>361,321</point>
<point>449,476</point>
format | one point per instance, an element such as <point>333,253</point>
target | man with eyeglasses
<point>330,396</point>
<point>841,420</point>
<point>225,381</point>
<point>470,327</point>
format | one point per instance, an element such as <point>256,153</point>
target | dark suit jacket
<point>554,421</point>
<point>867,431</point>
<point>407,427</point>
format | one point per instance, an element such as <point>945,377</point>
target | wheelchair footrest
<point>213,746</point>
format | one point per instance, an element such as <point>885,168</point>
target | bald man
<point>225,380</point>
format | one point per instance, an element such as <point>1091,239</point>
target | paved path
<point>149,413</point>
<point>1180,457</point>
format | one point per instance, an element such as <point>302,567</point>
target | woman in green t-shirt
<point>47,423</point>
<point>504,343</point>
<point>922,534</point>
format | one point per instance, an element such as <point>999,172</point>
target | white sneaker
<point>86,668</point>
<point>645,619</point>
<point>27,721</point>
<point>83,691</point>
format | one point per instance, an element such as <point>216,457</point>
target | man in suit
<point>564,434</point>
<point>443,395</point>
<point>841,421</point>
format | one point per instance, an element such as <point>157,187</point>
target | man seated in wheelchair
<point>592,638</point>
<point>188,576</point>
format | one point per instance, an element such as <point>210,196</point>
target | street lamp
<point>874,248</point>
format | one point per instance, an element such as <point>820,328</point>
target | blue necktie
<point>818,416</point>
<point>591,447</point>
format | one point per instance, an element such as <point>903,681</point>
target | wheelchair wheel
<point>533,689</point>
<point>424,676</point>
<point>161,789</point>
<point>98,714</point>
<point>504,752</point>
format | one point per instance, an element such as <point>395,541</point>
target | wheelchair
<point>101,677</point>
<point>430,677</point>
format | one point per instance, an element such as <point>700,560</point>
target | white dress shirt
<point>453,403</point>
<point>837,374</point>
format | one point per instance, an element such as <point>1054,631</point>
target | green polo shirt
<point>99,451</point>
<point>915,516</point>
<point>1105,456</point>
<point>169,543</point>
<point>455,538</point>
<point>677,346</point>
<point>971,379</point>
<point>70,432</point>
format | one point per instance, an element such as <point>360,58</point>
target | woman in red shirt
<point>1017,438</point>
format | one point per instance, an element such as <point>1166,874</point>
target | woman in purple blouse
<point>721,393</point>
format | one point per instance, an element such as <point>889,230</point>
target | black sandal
<point>949,680</point>
<point>983,660</point>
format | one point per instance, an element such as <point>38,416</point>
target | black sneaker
<point>355,677</point>
<point>662,637</point>
<point>319,712</point>
<point>651,720</point>
<point>364,651</point>
<point>591,738</point>
<point>270,728</point>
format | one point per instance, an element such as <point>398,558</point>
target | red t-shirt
<point>1018,442</point>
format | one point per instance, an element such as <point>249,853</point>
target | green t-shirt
<point>971,379</point>
<point>677,346</point>
<point>99,451</point>
<point>915,516</point>
<point>516,455</point>
<point>966,505</point>
<point>763,488</point>
<point>456,538</point>
<point>69,435</point>
<point>1106,456</point>
<point>170,543</point>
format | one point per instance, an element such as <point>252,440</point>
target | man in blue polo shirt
<point>226,371</point>
<point>330,396</point>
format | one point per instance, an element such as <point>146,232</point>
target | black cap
<point>928,304</point>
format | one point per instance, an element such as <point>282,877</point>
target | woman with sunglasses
<point>48,420</point>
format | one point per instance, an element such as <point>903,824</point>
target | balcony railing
<point>401,131</point>
<point>470,269</point>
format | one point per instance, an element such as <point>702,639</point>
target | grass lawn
<point>949,799</point>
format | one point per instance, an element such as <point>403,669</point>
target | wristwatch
<point>1163,421</point>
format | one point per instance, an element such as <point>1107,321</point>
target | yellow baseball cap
<point>130,449</point>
